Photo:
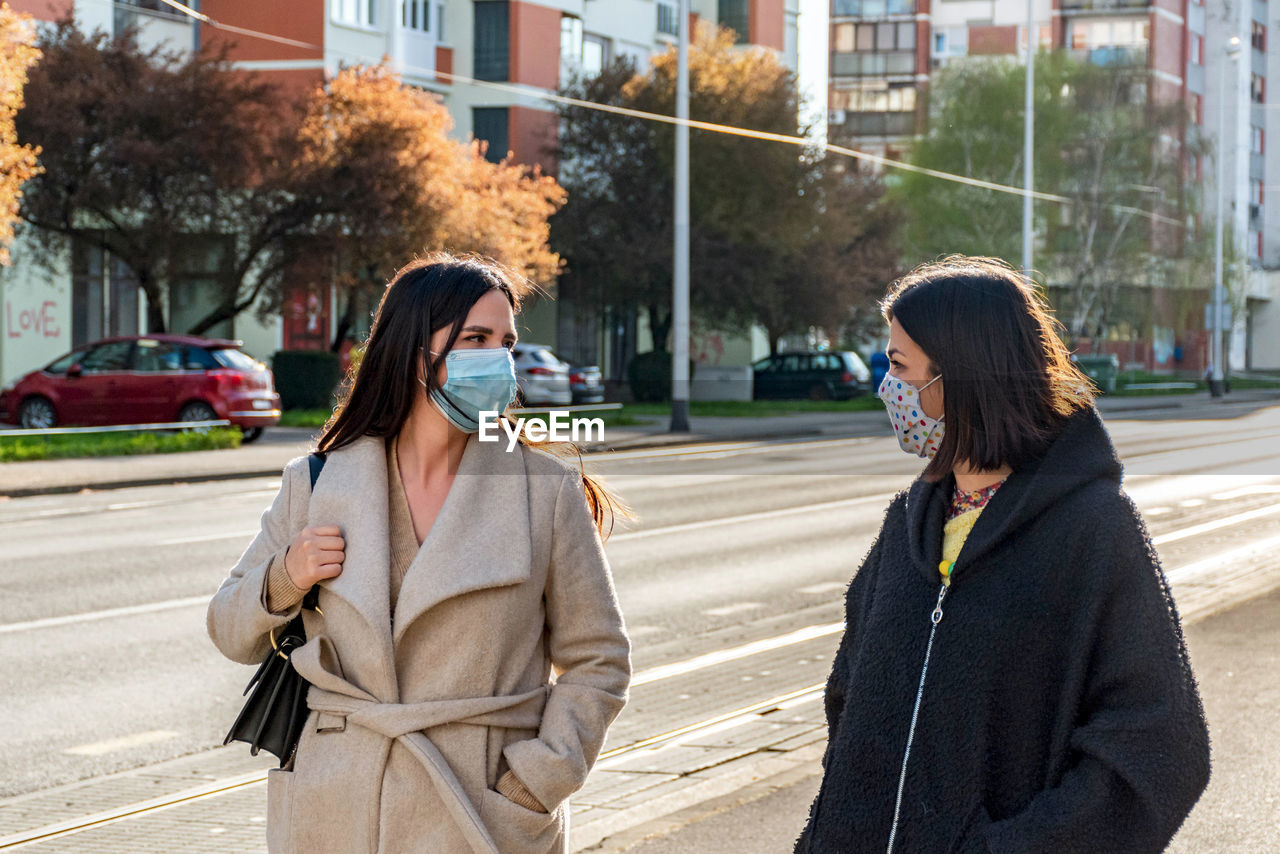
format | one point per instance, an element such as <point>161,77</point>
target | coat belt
<point>406,722</point>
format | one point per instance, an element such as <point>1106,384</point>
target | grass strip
<point>27,448</point>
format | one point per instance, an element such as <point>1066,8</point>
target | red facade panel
<point>299,20</point>
<point>1167,46</point>
<point>535,45</point>
<point>444,62</point>
<point>43,10</point>
<point>993,41</point>
<point>532,135</point>
<point>767,23</point>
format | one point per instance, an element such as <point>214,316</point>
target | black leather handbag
<point>273,716</point>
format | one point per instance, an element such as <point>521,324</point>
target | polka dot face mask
<point>917,433</point>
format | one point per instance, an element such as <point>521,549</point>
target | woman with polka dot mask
<point>1012,675</point>
<point>916,432</point>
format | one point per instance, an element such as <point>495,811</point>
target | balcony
<point>872,64</point>
<point>879,124</point>
<point>873,8</point>
<point>1130,56</point>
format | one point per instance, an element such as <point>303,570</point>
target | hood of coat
<point>1081,454</point>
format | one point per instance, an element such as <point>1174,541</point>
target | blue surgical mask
<point>478,381</point>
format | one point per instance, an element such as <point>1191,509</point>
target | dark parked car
<point>147,379</point>
<point>817,375</point>
<point>587,384</point>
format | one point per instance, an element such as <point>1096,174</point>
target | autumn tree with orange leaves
<point>17,161</point>
<point>149,154</point>
<point>434,192</point>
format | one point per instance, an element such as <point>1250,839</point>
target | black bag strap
<point>316,463</point>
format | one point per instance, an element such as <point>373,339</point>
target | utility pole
<point>680,276</point>
<point>1229,54</point>
<point>1028,141</point>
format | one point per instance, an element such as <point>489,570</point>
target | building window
<point>874,98</point>
<point>595,55</point>
<point>570,48</point>
<point>667,16</point>
<point>104,296</point>
<point>440,22</point>
<point>1256,195</point>
<point>416,15</point>
<point>360,13</point>
<point>874,8</point>
<point>1258,141</point>
<point>876,38</point>
<point>1258,36</point>
<point>1197,50</point>
<point>1258,88</point>
<point>1090,35</point>
<point>733,14</point>
<point>1197,109</point>
<point>492,46</point>
<point>492,124</point>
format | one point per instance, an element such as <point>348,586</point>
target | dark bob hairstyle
<point>1008,380</point>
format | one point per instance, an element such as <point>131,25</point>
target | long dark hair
<point>425,296</point>
<point>1009,381</point>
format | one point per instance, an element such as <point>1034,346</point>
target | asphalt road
<point>105,665</point>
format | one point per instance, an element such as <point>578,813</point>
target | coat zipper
<point>934,618</point>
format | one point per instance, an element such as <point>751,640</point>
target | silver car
<point>543,378</point>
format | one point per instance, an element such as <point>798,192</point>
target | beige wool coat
<point>412,722</point>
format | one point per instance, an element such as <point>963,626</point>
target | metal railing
<point>113,428</point>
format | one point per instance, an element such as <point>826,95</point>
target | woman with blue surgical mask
<point>1012,676</point>
<point>450,579</point>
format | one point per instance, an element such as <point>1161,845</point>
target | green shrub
<point>306,379</point>
<point>25,448</point>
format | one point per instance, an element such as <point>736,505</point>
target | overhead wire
<point>714,127</point>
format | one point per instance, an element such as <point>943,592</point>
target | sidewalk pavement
<point>767,755</point>
<point>215,802</point>
<point>268,455</point>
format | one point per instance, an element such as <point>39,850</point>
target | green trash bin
<point>1102,369</point>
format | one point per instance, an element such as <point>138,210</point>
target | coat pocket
<point>516,830</point>
<point>279,811</point>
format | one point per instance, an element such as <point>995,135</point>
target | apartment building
<point>491,61</point>
<point>883,53</point>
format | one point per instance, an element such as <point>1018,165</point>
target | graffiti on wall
<point>39,322</point>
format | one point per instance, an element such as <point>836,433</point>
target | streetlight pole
<point>1229,55</point>
<point>680,275</point>
<point>1028,140</point>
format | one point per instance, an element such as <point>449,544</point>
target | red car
<point>147,379</point>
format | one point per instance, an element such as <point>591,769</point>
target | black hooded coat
<point>1058,713</point>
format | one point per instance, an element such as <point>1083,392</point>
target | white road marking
<point>1224,561</point>
<point>825,587</point>
<point>207,538</point>
<point>1192,502</point>
<point>90,616</point>
<point>752,517</point>
<point>726,449</point>
<point>114,745</point>
<point>720,656</point>
<point>1157,511</point>
<point>1244,491</point>
<point>737,608</point>
<point>1216,524</point>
